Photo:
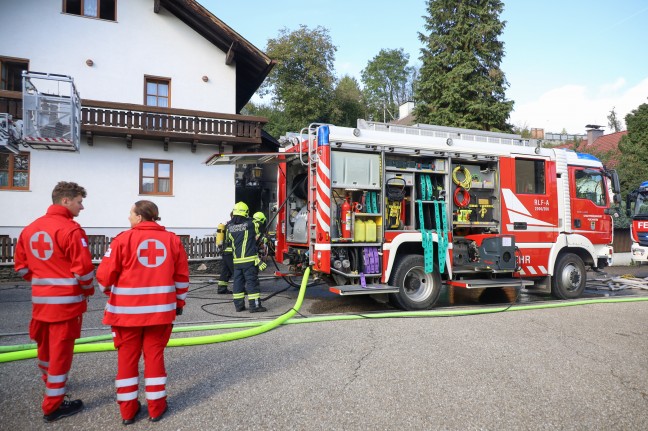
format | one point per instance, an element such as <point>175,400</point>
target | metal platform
<point>51,112</point>
<point>359,290</point>
<point>484,283</point>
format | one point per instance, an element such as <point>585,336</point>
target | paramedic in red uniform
<point>145,273</point>
<point>53,254</point>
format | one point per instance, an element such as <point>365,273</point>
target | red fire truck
<point>637,209</point>
<point>396,210</point>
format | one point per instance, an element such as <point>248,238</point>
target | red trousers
<point>130,343</point>
<point>55,342</point>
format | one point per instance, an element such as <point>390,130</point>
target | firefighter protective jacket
<point>145,272</point>
<point>53,254</point>
<point>227,242</point>
<point>243,236</point>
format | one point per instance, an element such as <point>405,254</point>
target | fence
<point>196,248</point>
<point>205,248</point>
<point>622,241</point>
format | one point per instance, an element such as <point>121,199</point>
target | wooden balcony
<point>131,121</point>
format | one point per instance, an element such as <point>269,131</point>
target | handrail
<point>89,103</point>
<point>104,118</point>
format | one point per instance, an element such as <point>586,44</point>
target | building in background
<point>162,84</point>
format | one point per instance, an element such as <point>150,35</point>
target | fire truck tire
<point>569,277</point>
<point>417,289</point>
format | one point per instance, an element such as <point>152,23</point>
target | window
<point>157,92</point>
<point>591,185</point>
<point>530,176</point>
<point>14,171</point>
<point>104,9</point>
<point>156,177</point>
<point>11,73</point>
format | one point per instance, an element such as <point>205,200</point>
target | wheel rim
<point>571,277</point>
<point>418,285</point>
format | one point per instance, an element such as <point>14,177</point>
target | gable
<point>252,65</point>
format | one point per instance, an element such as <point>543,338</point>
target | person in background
<point>262,240</point>
<point>52,253</point>
<point>145,273</point>
<point>243,234</point>
<point>227,268</point>
<point>259,220</point>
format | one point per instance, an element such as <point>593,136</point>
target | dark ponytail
<point>148,210</point>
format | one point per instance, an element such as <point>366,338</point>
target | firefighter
<point>52,253</point>
<point>227,268</point>
<point>259,220</point>
<point>145,274</point>
<point>243,234</point>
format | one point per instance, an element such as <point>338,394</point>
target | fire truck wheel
<point>569,277</point>
<point>417,290</point>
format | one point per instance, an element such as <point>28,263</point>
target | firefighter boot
<point>222,288</point>
<point>256,307</point>
<point>239,304</point>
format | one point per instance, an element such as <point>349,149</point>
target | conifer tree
<point>633,164</point>
<point>461,83</point>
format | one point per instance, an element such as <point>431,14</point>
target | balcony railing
<point>131,121</point>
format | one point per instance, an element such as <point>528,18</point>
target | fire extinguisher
<point>346,218</point>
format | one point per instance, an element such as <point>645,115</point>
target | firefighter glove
<point>262,265</point>
<point>178,311</point>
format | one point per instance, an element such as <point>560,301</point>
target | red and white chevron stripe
<point>324,192</point>
<point>530,270</point>
<point>47,140</point>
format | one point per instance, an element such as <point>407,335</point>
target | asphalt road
<point>581,367</point>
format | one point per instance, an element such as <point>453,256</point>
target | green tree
<point>277,124</point>
<point>633,164</point>
<point>348,103</point>
<point>385,81</point>
<point>522,130</point>
<point>613,121</point>
<point>461,83</point>
<point>301,84</point>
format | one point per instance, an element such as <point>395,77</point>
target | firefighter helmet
<point>240,209</point>
<point>259,217</point>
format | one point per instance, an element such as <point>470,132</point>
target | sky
<point>568,62</point>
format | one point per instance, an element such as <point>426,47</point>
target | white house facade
<point>161,85</point>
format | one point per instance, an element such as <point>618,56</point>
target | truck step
<point>355,289</point>
<point>484,283</point>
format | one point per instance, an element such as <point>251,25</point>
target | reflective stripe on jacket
<point>243,238</point>
<point>52,252</point>
<point>145,272</point>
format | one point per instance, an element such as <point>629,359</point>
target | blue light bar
<point>586,156</point>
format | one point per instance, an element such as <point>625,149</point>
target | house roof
<point>606,142</point>
<point>252,64</point>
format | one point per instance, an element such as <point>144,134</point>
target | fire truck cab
<point>408,210</point>
<point>637,210</point>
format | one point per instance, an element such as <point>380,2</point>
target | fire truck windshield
<point>641,204</point>
<point>590,185</point>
